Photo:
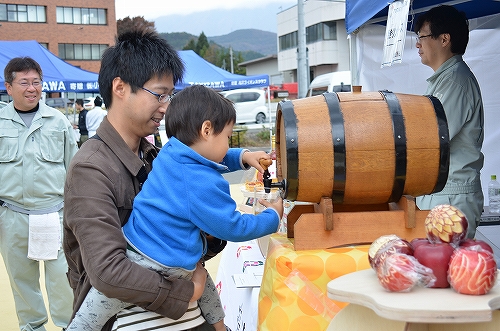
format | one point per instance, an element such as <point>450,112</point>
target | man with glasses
<point>442,37</point>
<point>136,81</point>
<point>37,143</point>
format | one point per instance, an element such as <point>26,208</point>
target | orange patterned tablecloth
<point>293,296</point>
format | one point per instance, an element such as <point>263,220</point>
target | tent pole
<point>353,56</point>
<point>270,123</point>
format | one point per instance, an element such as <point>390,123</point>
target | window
<point>321,31</point>
<point>71,15</point>
<point>316,32</point>
<point>288,41</point>
<point>81,51</point>
<point>22,13</point>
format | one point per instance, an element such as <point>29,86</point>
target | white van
<point>339,81</point>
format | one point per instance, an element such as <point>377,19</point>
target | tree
<point>136,23</point>
<point>202,45</point>
<point>191,45</point>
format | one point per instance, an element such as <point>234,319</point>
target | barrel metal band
<point>444,144</point>
<point>292,152</point>
<point>338,137</point>
<point>399,131</point>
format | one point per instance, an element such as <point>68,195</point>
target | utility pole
<point>302,66</point>
<point>231,57</point>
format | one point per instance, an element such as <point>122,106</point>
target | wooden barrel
<point>362,147</point>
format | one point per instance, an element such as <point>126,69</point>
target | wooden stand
<point>324,225</point>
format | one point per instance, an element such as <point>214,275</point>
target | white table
<point>373,308</point>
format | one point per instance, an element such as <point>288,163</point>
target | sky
<point>151,9</point>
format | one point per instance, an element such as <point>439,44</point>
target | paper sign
<point>395,33</point>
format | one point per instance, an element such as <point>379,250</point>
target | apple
<point>377,244</point>
<point>446,223</point>
<point>436,257</point>
<point>473,270</point>
<point>467,242</point>
<point>415,242</point>
<point>401,272</point>
<point>392,246</point>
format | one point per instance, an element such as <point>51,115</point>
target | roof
<point>360,12</point>
<point>199,71</point>
<point>58,75</point>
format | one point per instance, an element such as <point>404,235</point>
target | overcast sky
<point>152,9</point>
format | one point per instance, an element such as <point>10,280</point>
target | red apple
<point>436,257</point>
<point>473,270</point>
<point>401,272</point>
<point>467,242</point>
<point>390,247</point>
<point>417,242</point>
<point>446,223</point>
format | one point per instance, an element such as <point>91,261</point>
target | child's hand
<point>276,205</point>
<point>253,158</point>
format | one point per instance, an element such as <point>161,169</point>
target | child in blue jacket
<point>184,197</point>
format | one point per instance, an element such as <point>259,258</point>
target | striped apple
<point>472,270</point>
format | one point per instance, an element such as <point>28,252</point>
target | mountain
<point>259,41</point>
<point>219,22</point>
<point>252,43</point>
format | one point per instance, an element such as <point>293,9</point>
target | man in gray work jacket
<point>37,143</point>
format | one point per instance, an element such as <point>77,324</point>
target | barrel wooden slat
<point>315,149</point>
<point>306,138</point>
<point>422,142</point>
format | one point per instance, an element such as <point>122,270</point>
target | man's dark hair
<point>98,101</point>
<point>191,107</point>
<point>447,19</point>
<point>79,102</point>
<point>20,64</point>
<point>137,57</point>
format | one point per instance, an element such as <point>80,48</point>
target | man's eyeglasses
<point>417,38</point>
<point>25,84</point>
<point>162,98</point>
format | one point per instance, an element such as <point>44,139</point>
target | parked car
<point>250,105</point>
<point>88,103</point>
<point>61,103</point>
<point>339,81</point>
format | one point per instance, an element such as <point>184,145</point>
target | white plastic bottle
<point>494,195</point>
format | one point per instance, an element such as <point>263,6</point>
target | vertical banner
<point>395,32</point>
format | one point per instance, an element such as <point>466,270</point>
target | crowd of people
<point>126,246</point>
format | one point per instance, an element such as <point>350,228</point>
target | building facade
<point>326,39</point>
<point>76,31</point>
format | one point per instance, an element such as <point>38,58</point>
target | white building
<point>326,39</point>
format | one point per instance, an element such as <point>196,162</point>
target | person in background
<point>105,176</point>
<point>171,239</point>
<point>442,38</point>
<point>95,116</point>
<point>82,124</point>
<point>37,143</point>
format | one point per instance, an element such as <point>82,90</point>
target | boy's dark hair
<point>79,102</point>
<point>447,19</point>
<point>191,107</point>
<point>138,56</point>
<point>98,101</point>
<point>20,64</point>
